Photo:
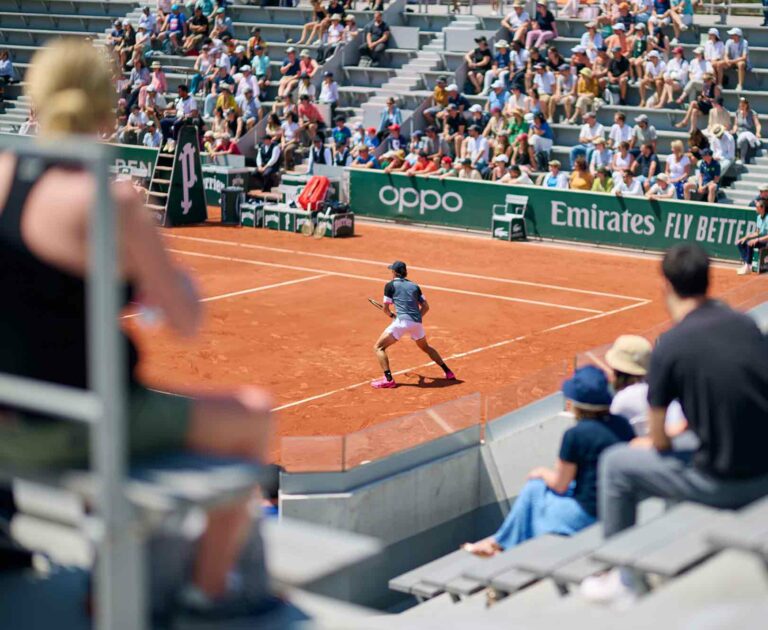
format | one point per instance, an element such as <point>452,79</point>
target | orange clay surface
<point>289,313</point>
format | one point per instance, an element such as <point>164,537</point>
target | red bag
<point>314,193</point>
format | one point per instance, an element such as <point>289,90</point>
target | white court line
<point>364,261</point>
<point>467,353</point>
<point>370,278</point>
<point>223,296</point>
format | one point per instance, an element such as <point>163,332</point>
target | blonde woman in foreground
<point>44,221</point>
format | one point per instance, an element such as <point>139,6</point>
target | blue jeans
<point>746,252</point>
<point>539,510</point>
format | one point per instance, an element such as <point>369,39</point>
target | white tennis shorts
<point>401,326</point>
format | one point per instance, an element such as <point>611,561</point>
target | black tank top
<point>43,309</point>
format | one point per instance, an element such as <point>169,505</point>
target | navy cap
<point>706,152</point>
<point>399,267</point>
<point>588,388</point>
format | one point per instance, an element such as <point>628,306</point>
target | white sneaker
<point>739,88</point>
<point>610,589</point>
<point>674,41</point>
<point>683,27</point>
<point>744,270</point>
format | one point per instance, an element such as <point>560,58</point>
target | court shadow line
<point>430,382</point>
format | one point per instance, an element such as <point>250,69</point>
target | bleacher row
<point>26,26</point>
<point>697,560</point>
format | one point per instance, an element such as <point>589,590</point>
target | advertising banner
<point>606,219</point>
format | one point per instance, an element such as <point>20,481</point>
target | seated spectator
<point>342,155</point>
<point>329,91</point>
<point>478,116</point>
<point>246,81</point>
<point>581,178</point>
<point>642,133</point>
<point>124,50</point>
<point>724,402</point>
<point>174,29</point>
<point>703,103</point>
<point>446,168</point>
<point>394,140</point>
<point>707,181</point>
<point>499,168</point>
<point>467,171</point>
<point>653,78</point>
<point>183,112</point>
<point>762,194</point>
<point>678,167</point>
<point>268,161</point>
<point>365,158</point>
<point>515,176</point>
<point>290,139</point>
<point>601,156</point>
<point>618,73</point>
<point>350,27</point>
<point>332,39</point>
<point>542,27</point>
<point>714,52</point>
<point>261,68</point>
<point>305,87</point>
<point>423,165</point>
<point>541,137</point>
<point>620,131</point>
<point>439,100</point>
<point>496,126</point>
<point>723,148</point>
<point>736,56</point>
<point>758,239</point>
<point>390,116</point>
<point>499,69</point>
<point>225,145</point>
<point>318,154</point>
<point>674,77</point>
<point>603,182</point>
<point>289,72</point>
<point>544,83</point>
<point>747,130</point>
<point>340,133</point>
<point>478,62</point>
<point>152,138</point>
<point>587,90</point>
<point>565,86</point>
<point>590,131</point>
<point>563,500</point>
<point>371,138</point>
<point>517,22</point>
<point>523,154</point>
<point>718,115</point>
<point>555,178</point>
<point>637,52</point>
<point>221,26</point>
<point>198,30</point>
<point>698,69</point>
<point>7,71</point>
<point>662,189</point>
<point>376,40</point>
<point>312,29</point>
<point>250,108</point>
<point>628,186</point>
<point>477,149</point>
<point>498,96</point>
<point>618,42</point>
<point>133,131</point>
<point>646,167</point>
<point>253,41</point>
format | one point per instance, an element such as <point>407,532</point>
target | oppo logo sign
<point>423,200</point>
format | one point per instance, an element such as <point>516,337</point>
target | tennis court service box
<point>507,227</point>
<point>760,260</point>
<point>217,178</point>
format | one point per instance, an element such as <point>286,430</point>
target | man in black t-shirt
<point>618,73</point>
<point>478,63</point>
<point>198,30</point>
<point>715,362</point>
<point>376,39</point>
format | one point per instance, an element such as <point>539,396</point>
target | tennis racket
<point>375,304</point>
<point>307,228</point>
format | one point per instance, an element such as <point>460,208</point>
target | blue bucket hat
<point>588,388</point>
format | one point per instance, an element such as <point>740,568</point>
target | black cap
<point>399,268</point>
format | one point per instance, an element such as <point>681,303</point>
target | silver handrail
<point>120,600</point>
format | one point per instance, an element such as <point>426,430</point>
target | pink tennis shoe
<point>383,383</point>
<point>450,376</point>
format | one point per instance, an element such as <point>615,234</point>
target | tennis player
<point>410,308</point>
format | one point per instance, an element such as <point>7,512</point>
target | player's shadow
<point>429,382</point>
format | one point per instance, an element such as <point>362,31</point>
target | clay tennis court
<point>290,313</point>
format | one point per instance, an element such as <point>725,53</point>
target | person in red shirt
<point>422,162</point>
<point>310,118</point>
<point>225,146</point>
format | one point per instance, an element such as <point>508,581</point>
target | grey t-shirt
<point>406,296</point>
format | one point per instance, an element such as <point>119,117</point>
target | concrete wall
<point>426,508</point>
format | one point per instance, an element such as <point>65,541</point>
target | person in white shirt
<point>653,77</point>
<point>137,121</point>
<point>662,189</point>
<point>556,178</point>
<point>589,132</point>
<point>516,176</point>
<point>620,131</point>
<point>329,92</point>
<point>544,82</point>
<point>517,22</point>
<point>628,187</point>
<point>332,38</point>
<point>723,147</point>
<point>591,40</point>
<point>477,148</point>
<point>714,48</point>
<point>247,80</point>
<point>675,77</point>
<point>698,67</point>
<point>186,113</point>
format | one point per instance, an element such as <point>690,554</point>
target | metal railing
<point>120,600</point>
